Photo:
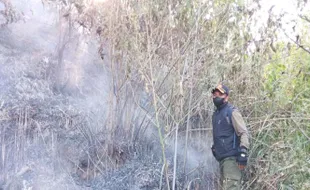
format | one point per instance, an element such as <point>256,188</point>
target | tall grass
<point>162,58</point>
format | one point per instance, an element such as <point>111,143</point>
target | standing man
<point>230,138</point>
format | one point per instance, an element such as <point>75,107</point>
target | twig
<point>190,183</point>
<point>304,18</point>
<point>296,42</point>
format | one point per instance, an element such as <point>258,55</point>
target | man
<point>230,138</point>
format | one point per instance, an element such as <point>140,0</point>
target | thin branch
<point>296,42</point>
<point>304,18</point>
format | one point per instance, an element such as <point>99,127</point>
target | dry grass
<point>147,101</point>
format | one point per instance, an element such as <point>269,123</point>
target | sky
<point>289,7</point>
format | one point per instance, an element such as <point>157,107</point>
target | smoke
<point>56,109</point>
<point>194,158</point>
<point>44,107</point>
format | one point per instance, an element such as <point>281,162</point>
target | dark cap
<point>221,88</point>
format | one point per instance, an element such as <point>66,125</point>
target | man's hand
<point>213,150</point>
<point>242,157</point>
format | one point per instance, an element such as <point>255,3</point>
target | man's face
<point>217,93</point>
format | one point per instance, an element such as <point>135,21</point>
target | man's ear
<point>226,98</point>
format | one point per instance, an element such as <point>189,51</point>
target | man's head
<point>220,95</point>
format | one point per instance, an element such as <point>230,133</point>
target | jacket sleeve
<point>240,128</point>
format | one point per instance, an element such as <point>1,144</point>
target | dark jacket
<point>226,142</point>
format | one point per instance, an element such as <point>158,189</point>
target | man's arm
<point>240,128</point>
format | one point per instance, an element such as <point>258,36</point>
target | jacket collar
<point>221,107</point>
